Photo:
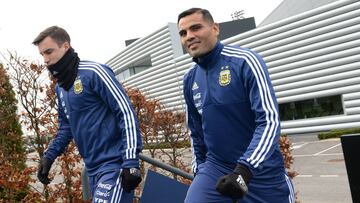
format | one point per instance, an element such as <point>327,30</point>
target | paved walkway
<point>322,173</point>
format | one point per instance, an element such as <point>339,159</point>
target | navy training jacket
<point>232,112</point>
<point>97,113</point>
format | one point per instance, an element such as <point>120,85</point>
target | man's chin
<point>194,54</point>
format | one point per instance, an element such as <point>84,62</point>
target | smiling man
<point>95,111</point>
<point>233,118</point>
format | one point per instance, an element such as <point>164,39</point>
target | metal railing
<point>166,167</point>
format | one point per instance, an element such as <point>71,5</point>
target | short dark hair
<point>58,34</point>
<point>206,14</point>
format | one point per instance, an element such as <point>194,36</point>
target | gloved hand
<point>43,170</point>
<point>130,178</point>
<point>235,184</point>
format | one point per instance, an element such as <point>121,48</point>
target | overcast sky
<point>98,29</point>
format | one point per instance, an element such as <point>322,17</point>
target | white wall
<point>312,54</point>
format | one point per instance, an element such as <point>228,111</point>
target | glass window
<point>311,108</point>
<point>136,67</point>
<point>123,75</point>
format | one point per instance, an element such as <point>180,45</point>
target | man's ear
<point>216,28</point>
<point>66,45</point>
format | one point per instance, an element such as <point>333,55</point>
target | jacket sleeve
<point>112,93</point>
<point>194,123</point>
<point>264,105</point>
<point>63,137</point>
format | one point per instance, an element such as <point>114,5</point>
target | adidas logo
<point>195,86</point>
<point>55,73</point>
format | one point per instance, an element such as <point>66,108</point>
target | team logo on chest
<point>224,76</point>
<point>78,87</point>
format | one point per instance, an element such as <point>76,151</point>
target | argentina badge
<point>78,87</point>
<point>224,77</point>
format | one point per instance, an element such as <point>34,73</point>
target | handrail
<point>166,167</point>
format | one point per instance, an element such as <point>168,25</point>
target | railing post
<point>85,185</point>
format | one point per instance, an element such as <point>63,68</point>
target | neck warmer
<point>65,70</point>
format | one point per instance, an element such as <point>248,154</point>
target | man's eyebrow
<point>46,51</point>
<point>49,49</point>
<point>195,25</point>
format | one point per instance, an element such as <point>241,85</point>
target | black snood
<point>65,70</point>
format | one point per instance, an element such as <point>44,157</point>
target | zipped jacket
<point>232,112</point>
<point>97,113</point>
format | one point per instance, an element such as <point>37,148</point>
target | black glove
<point>235,184</point>
<point>130,178</point>
<point>43,170</point>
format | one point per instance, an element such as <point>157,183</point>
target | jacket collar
<point>207,60</point>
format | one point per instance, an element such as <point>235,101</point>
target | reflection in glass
<point>311,108</point>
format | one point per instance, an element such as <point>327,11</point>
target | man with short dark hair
<point>233,118</point>
<point>95,111</point>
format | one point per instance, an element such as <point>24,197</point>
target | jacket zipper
<point>67,104</point>
<point>208,86</point>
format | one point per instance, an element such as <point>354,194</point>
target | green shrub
<point>337,133</point>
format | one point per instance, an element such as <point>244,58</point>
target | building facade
<point>313,59</point>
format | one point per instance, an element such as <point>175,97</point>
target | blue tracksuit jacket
<point>98,115</point>
<point>233,113</point>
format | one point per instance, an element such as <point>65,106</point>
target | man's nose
<point>190,36</point>
<point>46,60</point>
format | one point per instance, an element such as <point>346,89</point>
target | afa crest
<point>224,77</point>
<point>78,87</point>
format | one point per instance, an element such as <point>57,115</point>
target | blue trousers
<point>105,187</point>
<point>203,188</point>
